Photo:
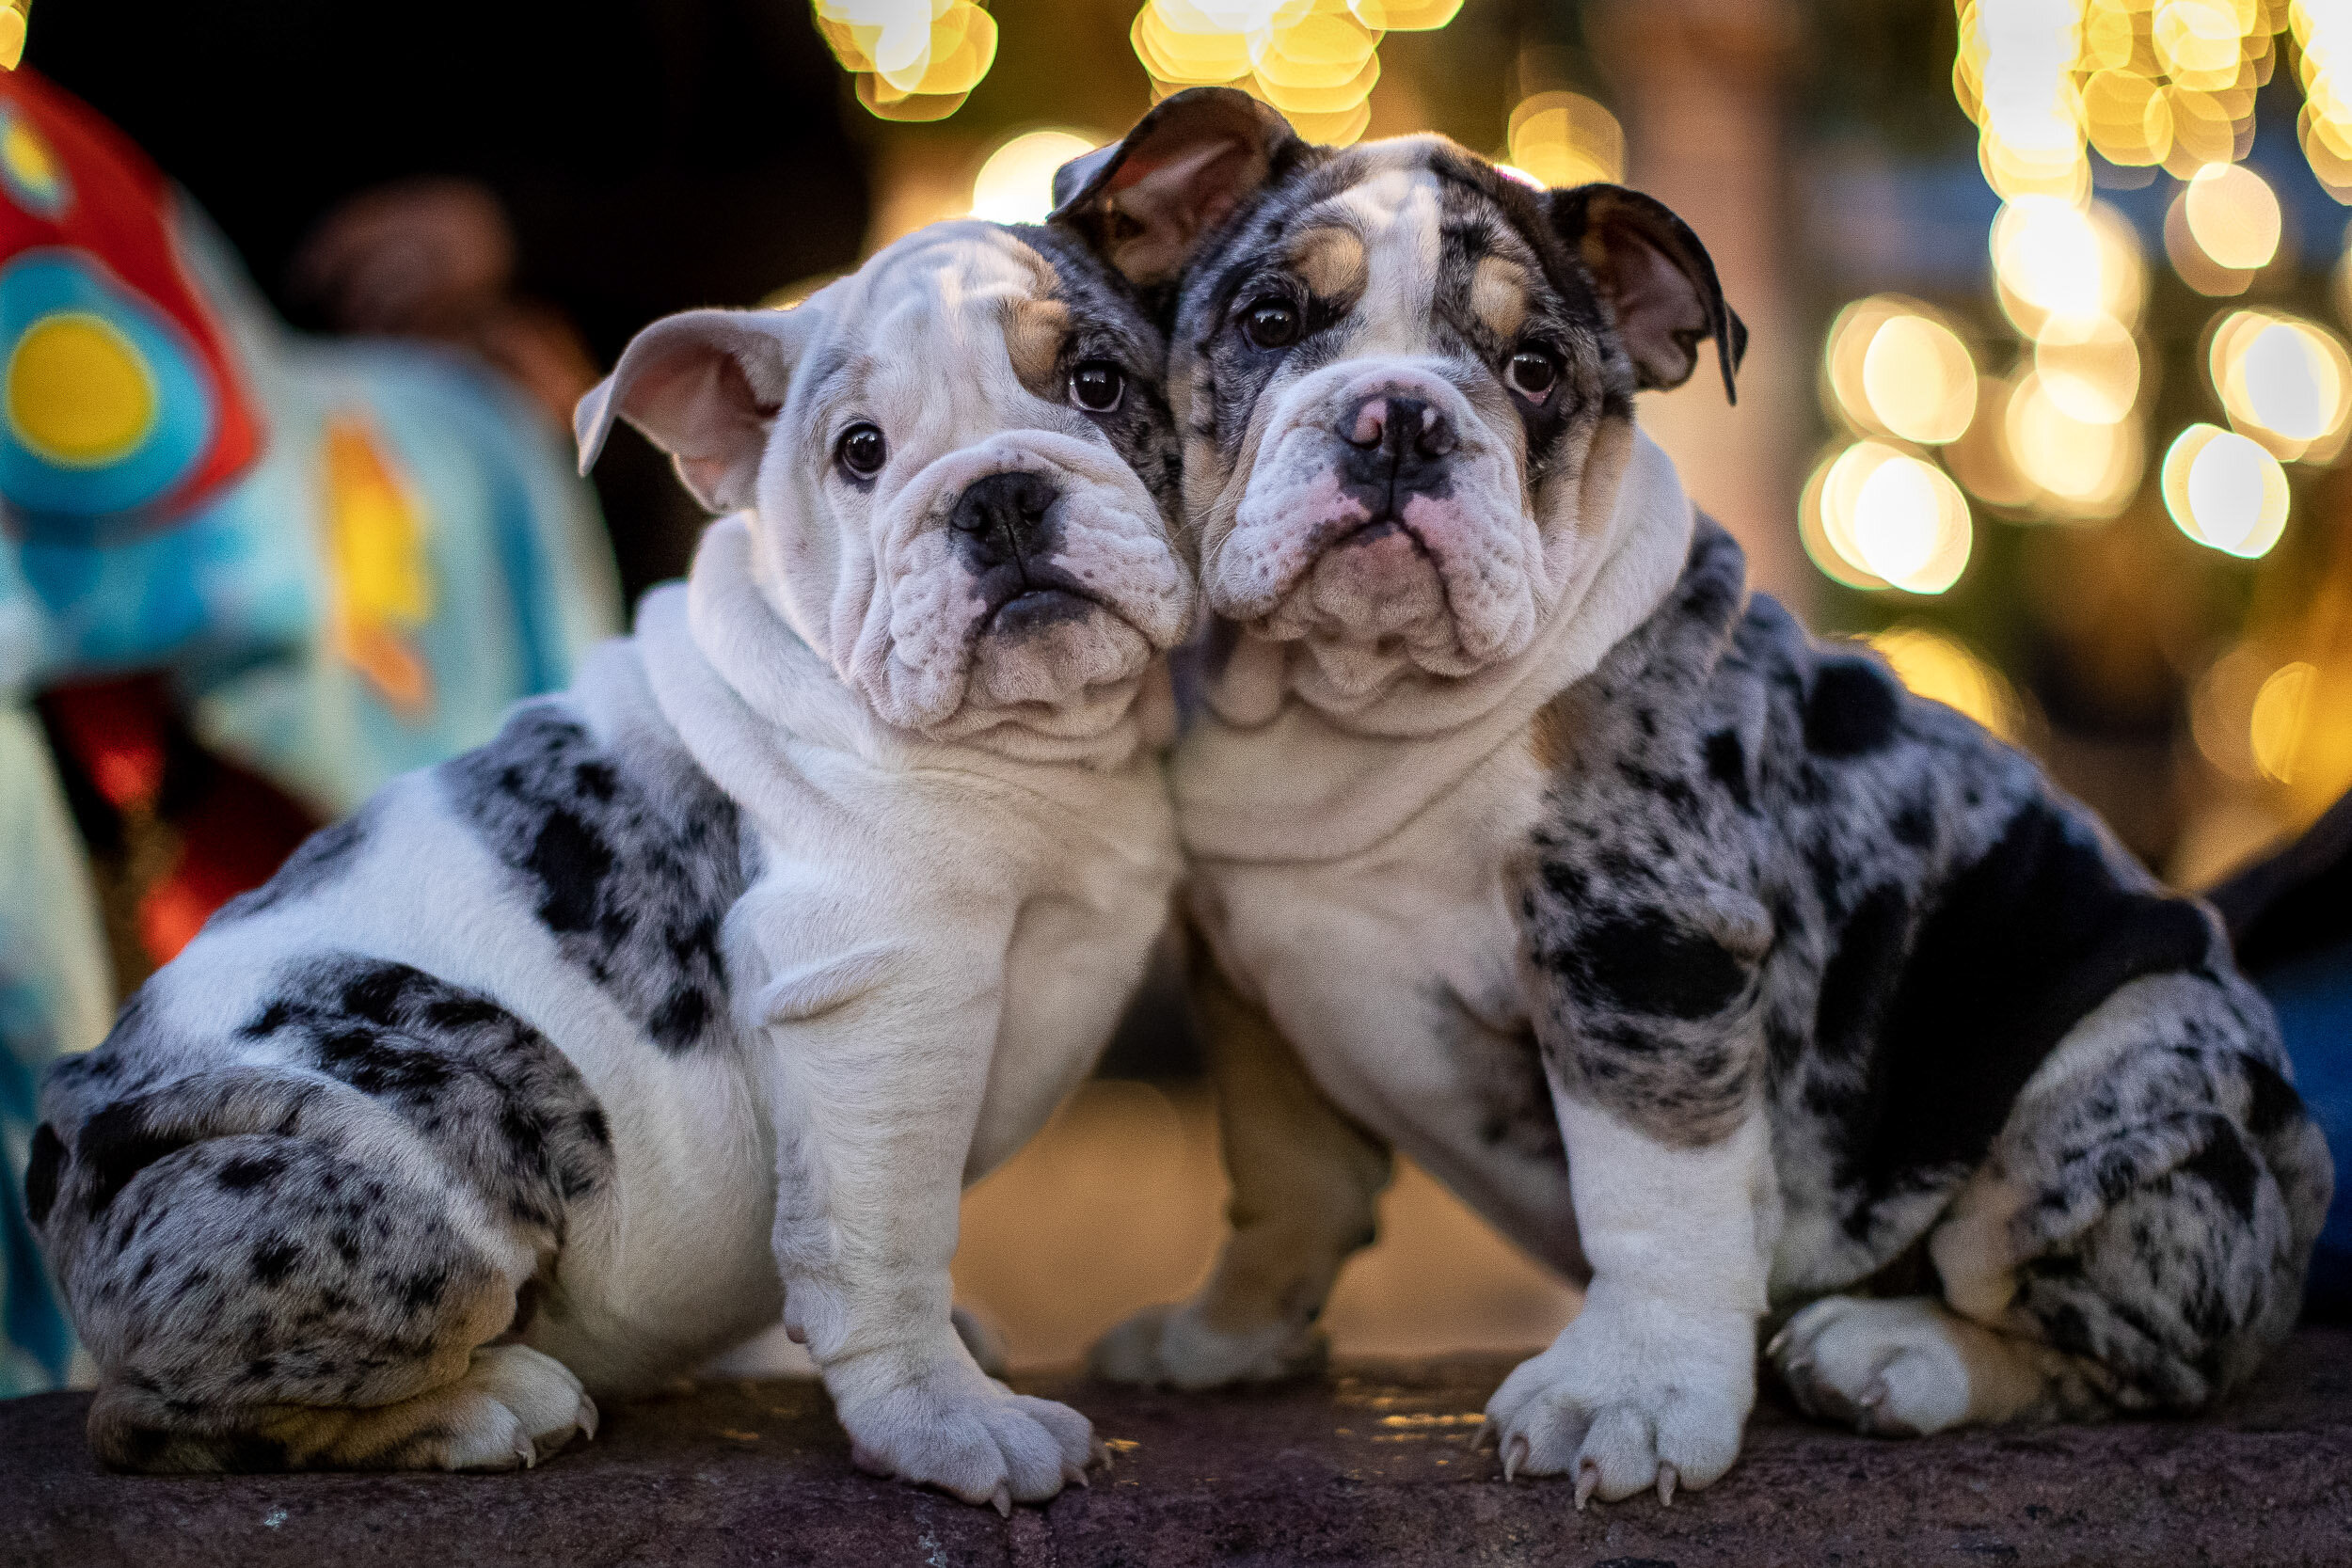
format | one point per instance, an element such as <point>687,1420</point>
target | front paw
<point>1172,1347</point>
<point>952,1428</point>
<point>1626,1402</point>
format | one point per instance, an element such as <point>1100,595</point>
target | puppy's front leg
<point>1305,1180</point>
<point>881,1060</point>
<point>1647,1019</point>
<point>1651,1382</point>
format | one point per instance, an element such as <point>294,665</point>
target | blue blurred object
<point>2291,919</point>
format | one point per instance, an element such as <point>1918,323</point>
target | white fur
<point>1658,1372</point>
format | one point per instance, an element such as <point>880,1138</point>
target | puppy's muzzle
<point>1007,529</point>
<point>1393,447</point>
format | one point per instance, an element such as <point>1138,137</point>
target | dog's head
<point>961,466</point>
<point>1406,379</point>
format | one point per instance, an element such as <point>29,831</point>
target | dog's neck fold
<point>723,618</point>
<point>1304,786</point>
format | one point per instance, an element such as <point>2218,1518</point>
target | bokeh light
<point>1016,182</point>
<point>2061,268</point>
<point>1564,138</point>
<point>1876,516</point>
<point>1315,61</point>
<point>2079,469</point>
<point>914,59</point>
<point>2281,711</point>
<point>2224,491</point>
<point>2285,381</point>
<point>1944,670</point>
<point>2091,373</point>
<point>2232,215</point>
<point>1896,366</point>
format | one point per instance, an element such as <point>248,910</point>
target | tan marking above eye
<point>1497,297</point>
<point>1034,333</point>
<point>1330,260</point>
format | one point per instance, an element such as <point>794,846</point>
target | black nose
<point>1404,429</point>
<point>1003,517</point>
<point>1003,513</point>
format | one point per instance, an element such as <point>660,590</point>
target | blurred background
<point>2046,393</point>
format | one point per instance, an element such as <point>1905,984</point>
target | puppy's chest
<point>1395,974</point>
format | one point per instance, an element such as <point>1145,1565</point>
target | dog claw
<point>1513,1455</point>
<point>1668,1476</point>
<point>1773,1346</point>
<point>528,1452</point>
<point>1485,1438</point>
<point>1874,1395</point>
<point>1587,1480</point>
<point>1003,1501</point>
<point>586,1417</point>
<point>1075,1475</point>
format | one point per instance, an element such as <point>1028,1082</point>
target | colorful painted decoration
<point>122,404</point>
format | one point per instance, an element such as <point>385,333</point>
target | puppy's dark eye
<point>862,450</point>
<point>1271,323</point>
<point>1533,372</point>
<point>1097,386</point>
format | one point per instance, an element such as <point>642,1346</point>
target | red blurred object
<point>113,207</point>
<point>235,827</point>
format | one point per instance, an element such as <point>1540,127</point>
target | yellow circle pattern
<point>78,393</point>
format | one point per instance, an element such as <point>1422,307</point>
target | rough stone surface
<point>1374,1468</point>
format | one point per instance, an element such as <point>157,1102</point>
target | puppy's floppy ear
<point>704,386</point>
<point>1143,202</point>
<point>1657,277</point>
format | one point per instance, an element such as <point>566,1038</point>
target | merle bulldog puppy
<point>696,996</point>
<point>1697,956</point>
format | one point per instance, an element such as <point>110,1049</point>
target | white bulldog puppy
<point>1705,961</point>
<point>698,995</point>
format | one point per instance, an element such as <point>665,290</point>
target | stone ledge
<point>1373,1467</point>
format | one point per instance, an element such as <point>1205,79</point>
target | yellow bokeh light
<point>2079,468</point>
<point>914,59</point>
<point>2225,492</point>
<point>2283,380</point>
<point>2233,215</point>
<point>2281,710</point>
<point>1016,184</point>
<point>1564,138</point>
<point>1980,459</point>
<point>2061,268</point>
<point>1919,380</point>
<point>1895,367</point>
<point>2092,374</point>
<point>1943,669</point>
<point>1315,61</point>
<point>1887,519</point>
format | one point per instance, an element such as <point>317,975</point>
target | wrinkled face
<point>962,466</point>
<point>1392,373</point>
<point>977,428</point>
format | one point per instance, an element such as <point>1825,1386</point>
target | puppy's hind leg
<point>1305,1184</point>
<point>305,1299</point>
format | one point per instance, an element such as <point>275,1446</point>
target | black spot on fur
<point>1647,962</point>
<point>116,1144</point>
<point>275,1259</point>
<point>2019,948</point>
<point>40,1173</point>
<point>1862,974</point>
<point>2228,1167</point>
<point>248,1171</point>
<point>1852,709</point>
<point>1727,764</point>
<point>2271,1101</point>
